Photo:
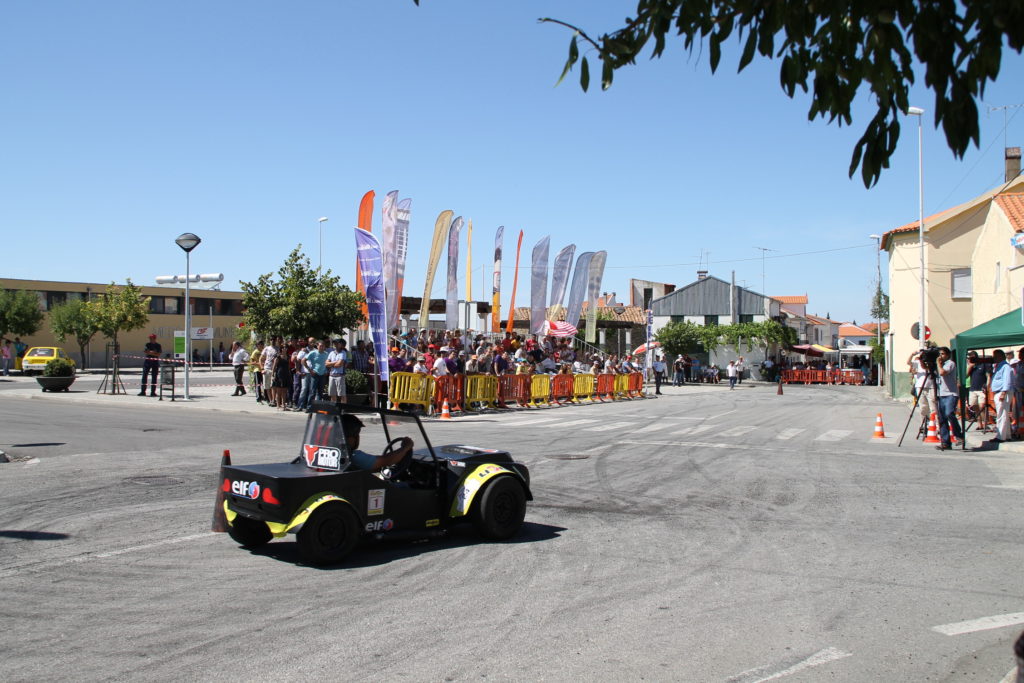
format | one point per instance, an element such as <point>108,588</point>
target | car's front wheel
<point>249,533</point>
<point>329,534</point>
<point>499,512</point>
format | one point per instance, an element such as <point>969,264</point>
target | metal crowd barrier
<point>481,390</point>
<point>412,387</point>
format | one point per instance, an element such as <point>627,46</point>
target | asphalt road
<point>707,535</point>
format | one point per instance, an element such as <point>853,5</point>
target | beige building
<point>210,308</point>
<point>973,269</point>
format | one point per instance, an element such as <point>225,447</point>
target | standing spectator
<point>420,367</point>
<point>220,352</point>
<point>659,373</point>
<point>280,376</point>
<point>978,376</point>
<point>267,357</point>
<point>948,397</point>
<point>696,371</point>
<point>337,363</point>
<point>298,373</point>
<point>678,371</point>
<point>308,386</point>
<point>20,348</point>
<point>7,356</point>
<point>740,367</point>
<point>256,370</point>
<point>239,359</point>
<point>1002,385</point>
<point>730,372</point>
<point>316,363</point>
<point>440,366</point>
<point>151,365</point>
<point>361,357</point>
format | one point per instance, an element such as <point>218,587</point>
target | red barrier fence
<point>513,389</point>
<point>845,376</point>
<point>562,389</point>
<point>448,387</point>
<point>605,387</point>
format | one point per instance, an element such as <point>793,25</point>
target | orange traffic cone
<point>879,428</point>
<point>220,521</point>
<point>446,414</point>
<point>779,392</point>
<point>933,430</point>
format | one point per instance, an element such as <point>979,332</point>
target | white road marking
<point>569,423</point>
<point>825,656</point>
<point>1011,676</point>
<point>982,624</point>
<point>610,426</point>
<point>789,433</point>
<point>534,420</point>
<point>654,426</point>
<point>693,430</point>
<point>834,435</point>
<point>738,430</point>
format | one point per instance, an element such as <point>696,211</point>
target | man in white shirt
<point>730,372</point>
<point>440,368</point>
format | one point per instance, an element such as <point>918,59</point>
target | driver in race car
<point>363,460</point>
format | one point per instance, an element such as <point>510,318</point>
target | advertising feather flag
<point>515,284</point>
<point>441,225</point>
<point>578,291</point>
<point>364,222</point>
<point>539,285</point>
<point>594,276</point>
<point>560,277</point>
<point>496,288</point>
<point>402,215</point>
<point>368,253</point>
<point>469,262</point>
<point>389,223</point>
<point>451,302</point>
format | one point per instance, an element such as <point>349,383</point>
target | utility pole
<point>764,289</point>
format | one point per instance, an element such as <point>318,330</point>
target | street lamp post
<point>919,113</point>
<point>321,221</point>
<point>187,241</point>
<point>878,266</point>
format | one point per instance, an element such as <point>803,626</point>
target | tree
<point>119,309</point>
<point>736,334</point>
<point>771,332</point>
<point>678,338</point>
<point>302,302</point>
<point>880,304</point>
<point>73,319</point>
<point>832,49</point>
<point>19,313</point>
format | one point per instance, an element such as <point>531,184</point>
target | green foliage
<point>355,382</point>
<point>880,304</point>
<point>678,338</point>
<point>877,351</point>
<point>19,313</point>
<point>303,301</point>
<point>75,320</point>
<point>833,51</point>
<point>119,309</point>
<point>59,367</point>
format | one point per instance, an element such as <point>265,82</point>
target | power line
<point>742,260</point>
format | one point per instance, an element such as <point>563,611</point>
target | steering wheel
<point>402,465</point>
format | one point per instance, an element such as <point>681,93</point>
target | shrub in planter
<point>59,367</point>
<point>355,382</point>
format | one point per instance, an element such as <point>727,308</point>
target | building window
<point>999,272</point>
<point>172,305</point>
<point>710,320</point>
<point>156,304</point>
<point>960,287</point>
<point>746,317</point>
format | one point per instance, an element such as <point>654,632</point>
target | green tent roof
<point>1003,332</point>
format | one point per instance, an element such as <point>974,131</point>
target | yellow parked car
<point>37,357</point>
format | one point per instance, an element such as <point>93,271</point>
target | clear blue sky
<point>127,123</point>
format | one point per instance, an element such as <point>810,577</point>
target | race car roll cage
<point>336,410</point>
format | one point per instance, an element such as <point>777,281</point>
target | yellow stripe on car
<point>471,484</point>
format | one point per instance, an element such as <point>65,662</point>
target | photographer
<point>978,374</point>
<point>923,386</point>
<point>948,397</point>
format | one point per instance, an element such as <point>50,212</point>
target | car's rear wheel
<point>499,511</point>
<point>249,533</point>
<point>329,534</point>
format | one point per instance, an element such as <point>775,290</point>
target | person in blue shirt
<point>948,397</point>
<point>316,362</point>
<point>1002,385</point>
<point>362,460</point>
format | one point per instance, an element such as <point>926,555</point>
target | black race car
<point>331,504</point>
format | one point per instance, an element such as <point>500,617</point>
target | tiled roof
<point>873,327</point>
<point>851,330</point>
<point>1012,205</point>
<point>791,299</point>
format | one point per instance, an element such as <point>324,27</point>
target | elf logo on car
<point>380,525</point>
<point>322,457</point>
<point>248,489</point>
